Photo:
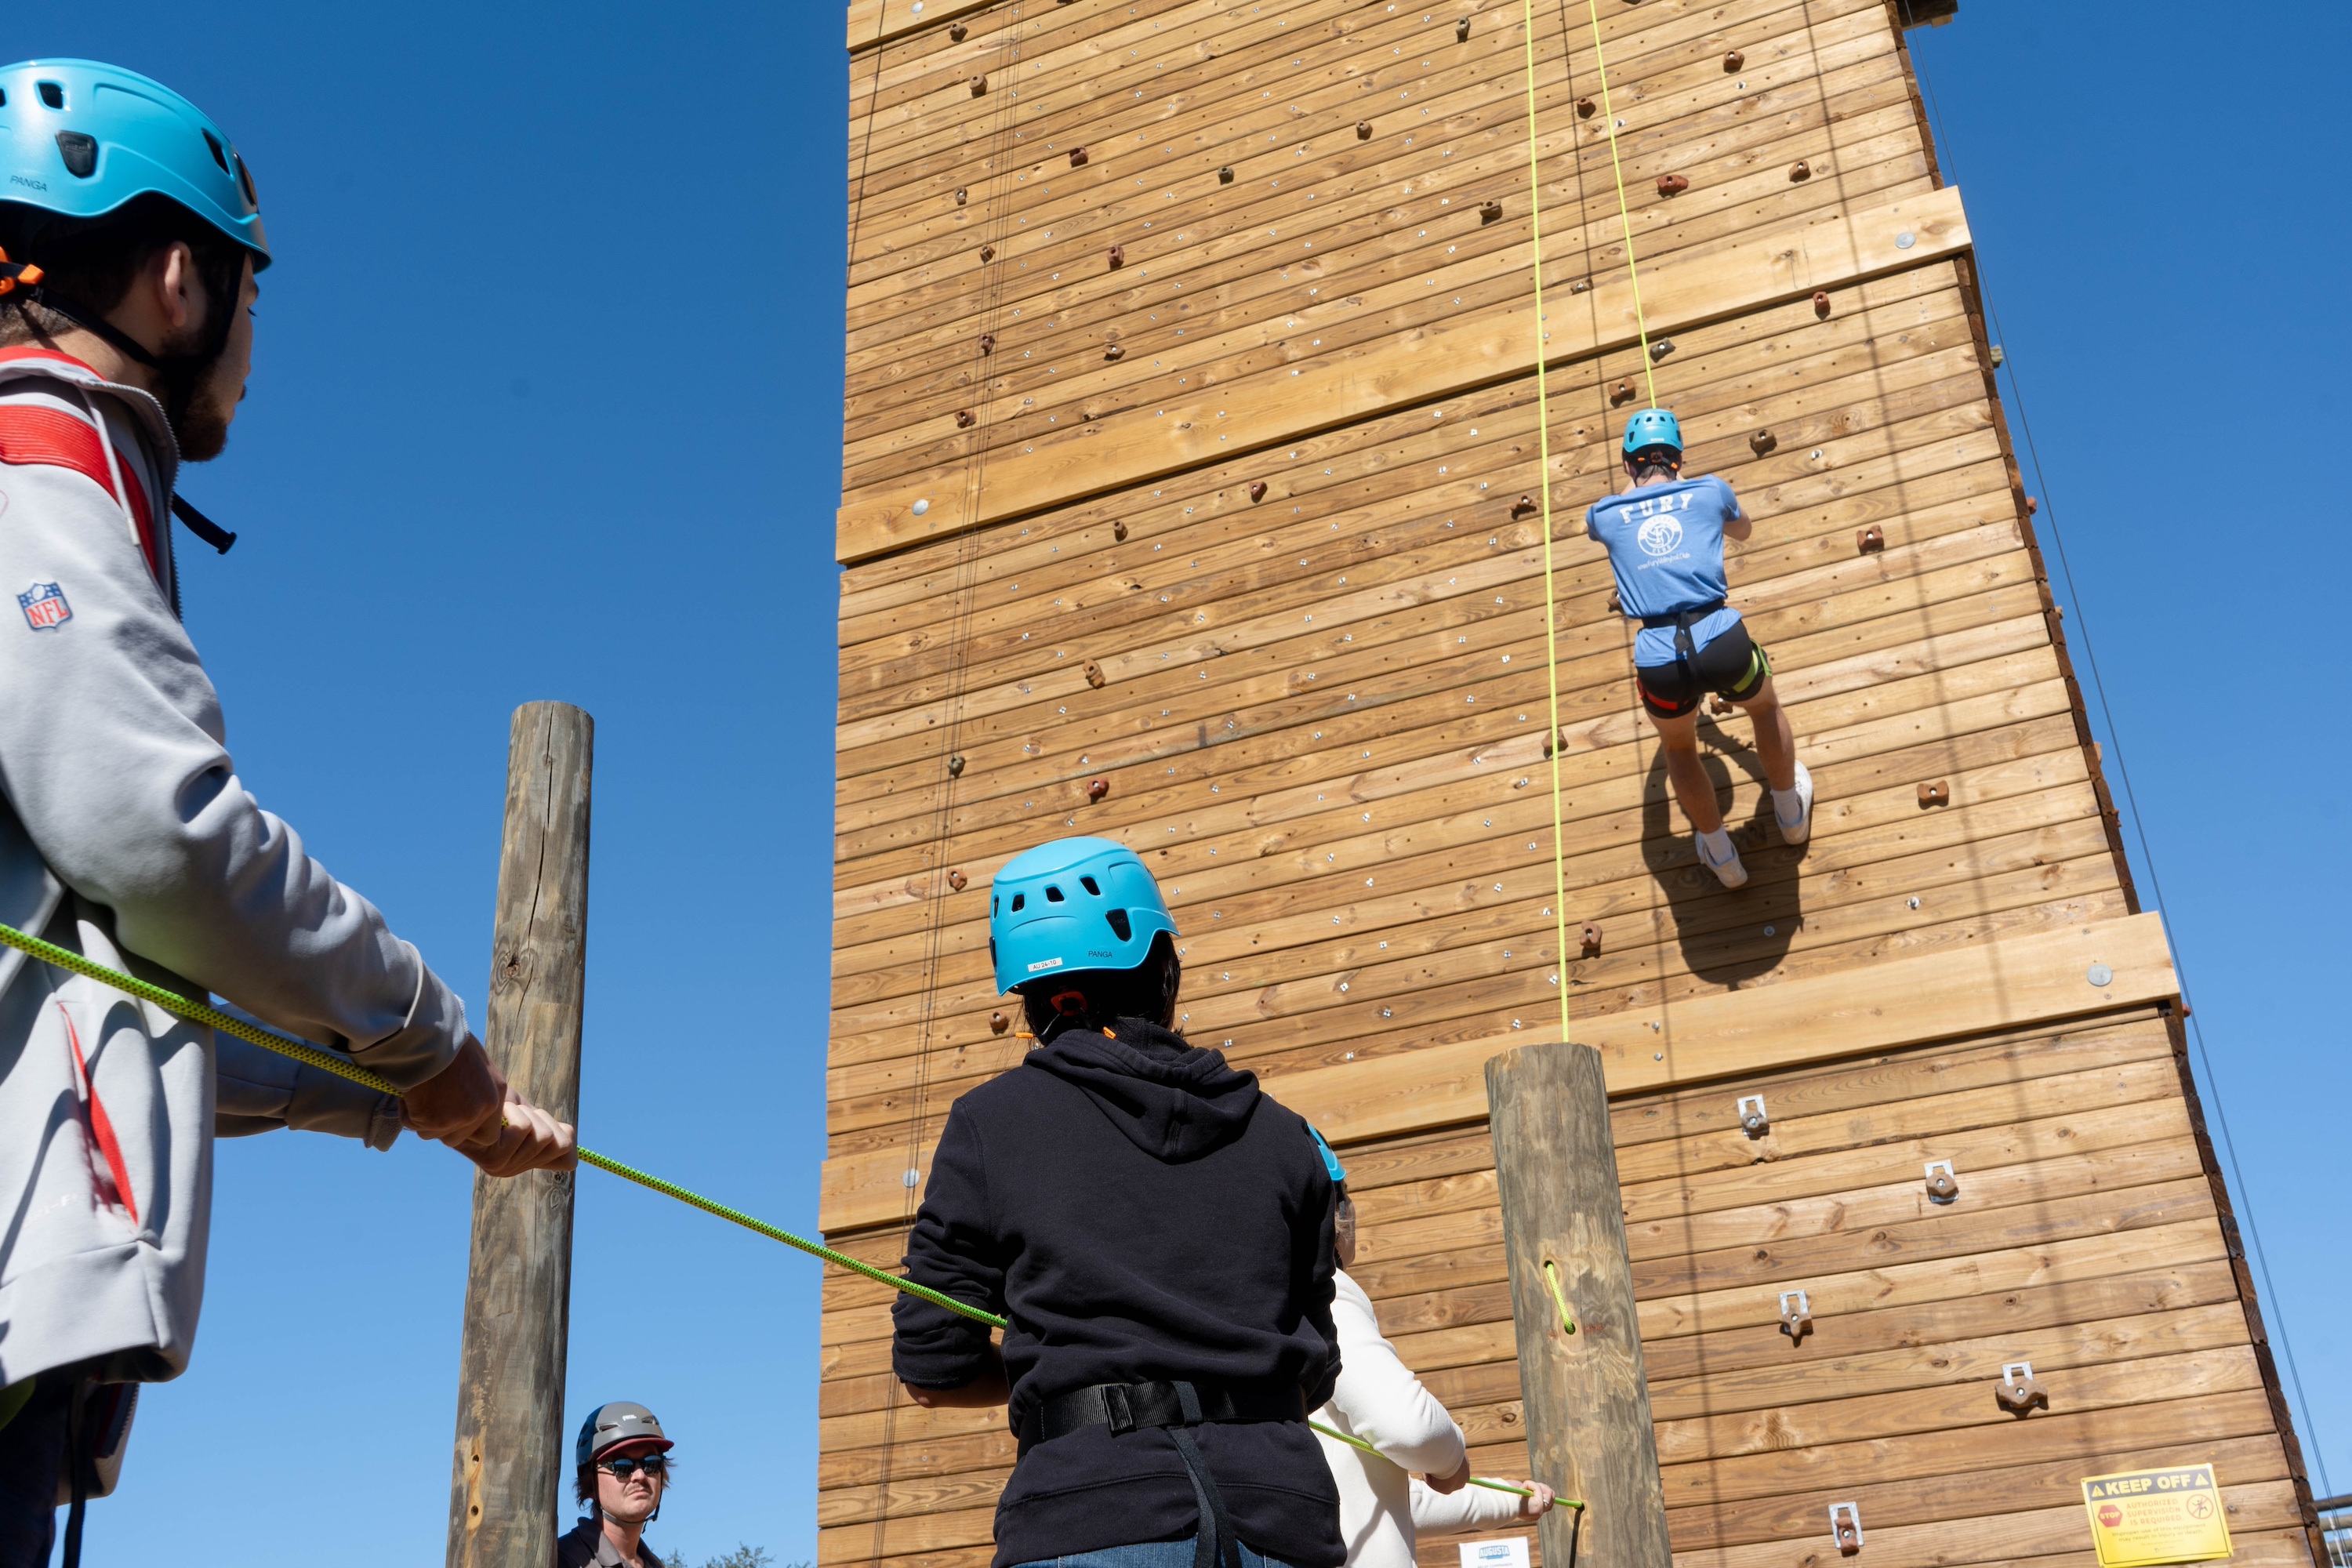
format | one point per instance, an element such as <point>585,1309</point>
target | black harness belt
<point>1682,621</point>
<point>1177,1407</point>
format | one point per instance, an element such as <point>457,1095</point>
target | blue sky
<point>547,405</point>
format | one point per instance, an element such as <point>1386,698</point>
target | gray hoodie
<point>126,835</point>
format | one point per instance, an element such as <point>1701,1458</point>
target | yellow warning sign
<point>2146,1517</point>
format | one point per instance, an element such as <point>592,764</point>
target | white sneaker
<point>1729,871</point>
<point>1803,828</point>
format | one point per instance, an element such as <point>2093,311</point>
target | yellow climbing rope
<point>1474,1481</point>
<point>1625,215</point>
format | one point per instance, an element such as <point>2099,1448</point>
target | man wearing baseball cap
<point>621,1454</point>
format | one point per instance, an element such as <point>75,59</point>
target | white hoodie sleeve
<point>1472,1508</point>
<point>1385,1403</point>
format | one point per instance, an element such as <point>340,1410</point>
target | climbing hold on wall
<point>1363,130</point>
<point>979,85</point>
<point>2017,1391</point>
<point>1258,490</point>
<point>1589,939</point>
<point>1733,61</point>
<point>1845,1525</point>
<point>958,880</point>
<point>1936,794</point>
<point>1584,107</point>
<point>1077,157</point>
<point>1800,171</point>
<point>988,253</point>
<point>1094,675</point>
<point>1867,540</point>
<point>1621,392</point>
<point>1762,442</point>
<point>1098,788</point>
<point>1523,507</point>
<point>998,1023</point>
<point>1821,303</point>
<point>1225,175</point>
<point>1672,185</point>
<point>1796,1314</point>
<point>1942,1185</point>
<point>962,195</point>
<point>1119,255</point>
<point>958,32</point>
<point>1661,349</point>
<point>1616,607</point>
<point>1582,285</point>
<point>1119,532</point>
<point>1754,1120</point>
<point>2031,506</point>
<point>955,767</point>
<point>1114,353</point>
<point>1461,31</point>
<point>988,343</point>
<point>966,419</point>
<point>1999,357</point>
<point>1490,211</point>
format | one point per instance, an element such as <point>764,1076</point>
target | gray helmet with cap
<point>610,1426</point>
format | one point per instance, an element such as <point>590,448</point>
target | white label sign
<point>1509,1552</point>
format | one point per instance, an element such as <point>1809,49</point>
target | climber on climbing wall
<point>1158,1230</point>
<point>132,234</point>
<point>1665,537</point>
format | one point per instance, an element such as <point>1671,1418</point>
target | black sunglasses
<point>653,1465</point>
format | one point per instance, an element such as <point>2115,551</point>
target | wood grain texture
<point>511,1456</point>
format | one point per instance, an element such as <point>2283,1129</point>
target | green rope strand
<point>171,1001</point>
<point>1474,1481</point>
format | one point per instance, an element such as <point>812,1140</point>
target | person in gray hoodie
<point>132,236</point>
<point>1159,1231</point>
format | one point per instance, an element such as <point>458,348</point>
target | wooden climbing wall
<point>1191,404</point>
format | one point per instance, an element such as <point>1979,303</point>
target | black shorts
<point>1732,666</point>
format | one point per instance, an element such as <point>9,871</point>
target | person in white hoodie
<point>1421,1481</point>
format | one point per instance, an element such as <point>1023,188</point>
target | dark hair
<point>1095,999</point>
<point>1655,462</point>
<point>584,1485</point>
<point>92,262</point>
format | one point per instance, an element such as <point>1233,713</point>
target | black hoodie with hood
<point>1142,1212</point>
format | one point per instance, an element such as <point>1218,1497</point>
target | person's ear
<point>177,292</point>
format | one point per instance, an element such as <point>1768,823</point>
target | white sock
<point>1718,846</point>
<point>1787,805</point>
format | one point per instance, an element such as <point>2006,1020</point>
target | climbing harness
<point>328,1061</point>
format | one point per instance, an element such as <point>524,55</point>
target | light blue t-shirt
<point>1666,545</point>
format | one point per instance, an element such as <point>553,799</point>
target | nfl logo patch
<point>45,606</point>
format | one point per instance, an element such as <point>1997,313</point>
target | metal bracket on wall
<point>1754,1120</point>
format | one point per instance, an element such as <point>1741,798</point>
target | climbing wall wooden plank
<point>1232,548</point>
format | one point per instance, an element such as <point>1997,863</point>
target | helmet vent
<point>245,182</point>
<point>1054,895</point>
<point>212,145</point>
<point>1019,899</point>
<point>79,152</point>
<point>4,98</point>
<point>51,94</point>
<point>1088,884</point>
<point>1120,925</point>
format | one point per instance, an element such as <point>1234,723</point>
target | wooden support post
<point>1587,1402</point>
<point>511,1456</point>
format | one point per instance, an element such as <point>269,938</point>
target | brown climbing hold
<point>988,343</point>
<point>1672,185</point>
<point>1119,532</point>
<point>2031,506</point>
<point>1363,130</point>
<point>988,253</point>
<point>1868,540</point>
<point>955,767</point>
<point>1584,107</point>
<point>1258,490</point>
<point>958,32</point>
<point>1488,212</point>
<point>2018,1395</point>
<point>1119,255</point>
<point>1582,285</point>
<point>1461,31</point>
<point>1615,607</point>
<point>966,418</point>
<point>962,196</point>
<point>998,1023</point>
<point>1225,175</point>
<point>979,85</point>
<point>1094,675</point>
<point>1762,442</point>
<point>1821,303</point>
<point>1077,157</point>
<point>1720,706</point>
<point>1621,392</point>
<point>1114,353</point>
<point>1098,788</point>
<point>1936,794</point>
<point>1589,939</point>
<point>958,880</point>
<point>1523,507</point>
<point>1800,172</point>
<point>1733,61</point>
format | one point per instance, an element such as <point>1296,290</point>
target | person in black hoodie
<point>1160,1231</point>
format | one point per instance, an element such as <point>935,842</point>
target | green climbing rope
<point>1474,1481</point>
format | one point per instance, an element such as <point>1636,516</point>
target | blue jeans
<point>1148,1554</point>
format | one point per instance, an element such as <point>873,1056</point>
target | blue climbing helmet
<point>1074,905</point>
<point>1653,428</point>
<point>90,138</point>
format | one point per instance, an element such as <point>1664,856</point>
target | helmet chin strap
<point>182,373</point>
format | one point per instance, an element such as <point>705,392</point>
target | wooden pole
<point>1587,1401</point>
<point>511,1457</point>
